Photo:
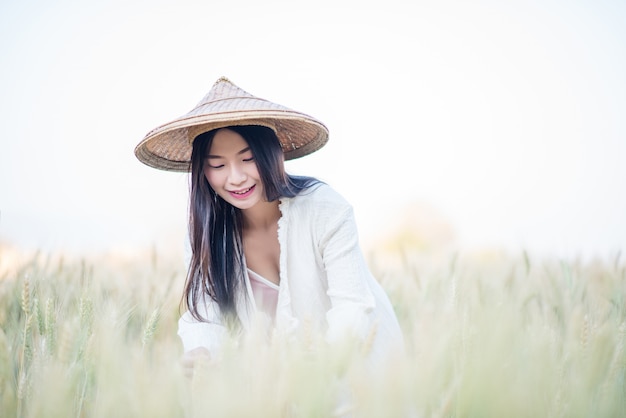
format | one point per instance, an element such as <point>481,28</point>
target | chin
<point>243,205</point>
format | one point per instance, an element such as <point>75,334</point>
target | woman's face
<point>231,171</point>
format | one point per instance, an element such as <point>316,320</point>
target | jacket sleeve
<point>194,333</point>
<point>352,301</point>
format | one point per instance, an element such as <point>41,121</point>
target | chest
<point>262,252</point>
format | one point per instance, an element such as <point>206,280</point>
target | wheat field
<point>487,335</point>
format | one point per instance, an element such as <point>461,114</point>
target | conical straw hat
<point>168,147</point>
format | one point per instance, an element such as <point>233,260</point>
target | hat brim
<point>168,147</point>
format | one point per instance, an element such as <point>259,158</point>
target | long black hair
<point>217,268</point>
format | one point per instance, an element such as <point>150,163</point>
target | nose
<point>236,174</point>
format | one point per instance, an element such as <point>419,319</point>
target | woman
<point>267,249</point>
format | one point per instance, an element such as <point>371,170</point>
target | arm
<point>201,340</point>
<point>351,298</point>
<point>193,333</point>
<point>210,334</point>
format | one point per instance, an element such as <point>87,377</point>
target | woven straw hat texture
<point>168,147</point>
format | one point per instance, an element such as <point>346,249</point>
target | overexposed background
<point>501,121</point>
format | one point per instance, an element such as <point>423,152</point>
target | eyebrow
<point>243,151</point>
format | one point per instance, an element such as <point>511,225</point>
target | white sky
<point>505,117</point>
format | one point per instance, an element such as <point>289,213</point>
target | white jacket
<point>324,281</point>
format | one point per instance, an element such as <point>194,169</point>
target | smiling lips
<point>243,193</point>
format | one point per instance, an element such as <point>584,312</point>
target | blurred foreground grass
<point>496,336</point>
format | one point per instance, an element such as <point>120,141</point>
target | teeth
<point>243,192</point>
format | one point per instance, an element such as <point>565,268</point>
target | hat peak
<point>222,79</point>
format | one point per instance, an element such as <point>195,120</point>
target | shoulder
<point>320,196</point>
<point>320,204</point>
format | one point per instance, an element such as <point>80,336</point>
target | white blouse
<point>324,281</point>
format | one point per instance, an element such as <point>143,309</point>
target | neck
<point>262,216</point>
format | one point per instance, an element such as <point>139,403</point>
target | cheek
<point>210,177</point>
<point>254,172</point>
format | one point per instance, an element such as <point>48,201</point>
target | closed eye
<point>208,164</point>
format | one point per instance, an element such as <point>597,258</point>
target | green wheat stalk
<point>50,325</point>
<point>41,325</point>
<point>150,328</point>
<point>27,353</point>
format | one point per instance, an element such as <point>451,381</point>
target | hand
<point>194,358</point>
